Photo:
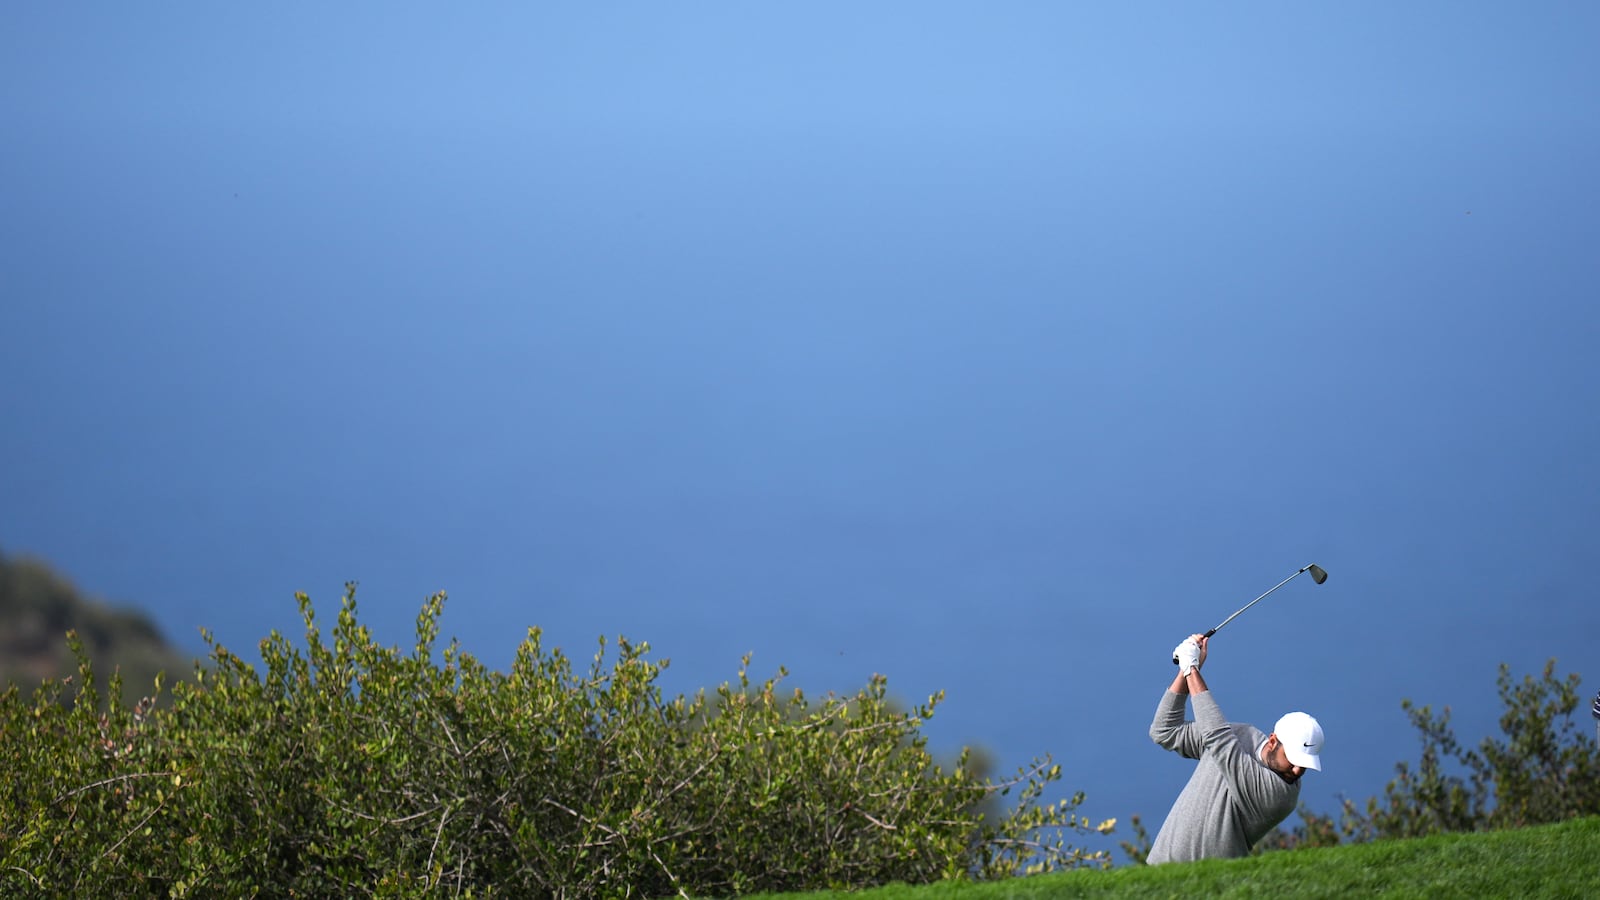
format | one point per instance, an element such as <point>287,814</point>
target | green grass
<point>1546,861</point>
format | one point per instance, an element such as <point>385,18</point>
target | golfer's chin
<point>1273,758</point>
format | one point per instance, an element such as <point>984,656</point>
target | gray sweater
<point>1232,799</point>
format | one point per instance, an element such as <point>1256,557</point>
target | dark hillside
<point>37,609</point>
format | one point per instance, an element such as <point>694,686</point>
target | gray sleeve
<point>1170,730</point>
<point>1203,823</point>
<point>1259,792</point>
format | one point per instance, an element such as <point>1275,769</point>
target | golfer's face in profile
<point>1278,761</point>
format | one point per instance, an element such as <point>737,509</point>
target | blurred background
<point>994,350</point>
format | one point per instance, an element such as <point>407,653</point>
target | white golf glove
<point>1187,656</point>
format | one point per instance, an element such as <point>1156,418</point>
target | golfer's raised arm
<point>1190,655</point>
<point>1168,729</point>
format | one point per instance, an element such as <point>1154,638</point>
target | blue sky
<point>991,348</point>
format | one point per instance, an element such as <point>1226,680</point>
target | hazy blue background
<point>992,347</point>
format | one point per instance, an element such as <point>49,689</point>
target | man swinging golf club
<point>1245,783</point>
<point>1596,710</point>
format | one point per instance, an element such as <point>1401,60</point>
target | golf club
<point>1317,575</point>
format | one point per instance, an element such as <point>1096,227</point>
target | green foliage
<point>1138,849</point>
<point>1543,769</point>
<point>351,769</point>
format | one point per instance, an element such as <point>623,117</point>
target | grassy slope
<point>1548,861</point>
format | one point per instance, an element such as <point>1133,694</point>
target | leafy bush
<point>353,769</point>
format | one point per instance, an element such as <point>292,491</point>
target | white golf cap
<point>1301,738</point>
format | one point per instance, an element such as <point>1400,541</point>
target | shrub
<point>352,769</point>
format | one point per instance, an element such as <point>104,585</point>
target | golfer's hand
<point>1187,655</point>
<point>1204,643</point>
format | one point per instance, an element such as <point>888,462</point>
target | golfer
<point>1596,710</point>
<point>1245,783</point>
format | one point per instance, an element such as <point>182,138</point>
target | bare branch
<point>884,825</point>
<point>131,832</point>
<point>438,835</point>
<point>90,787</point>
<point>400,821</point>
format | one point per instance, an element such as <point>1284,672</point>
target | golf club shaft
<point>1254,602</point>
<point>1317,575</point>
